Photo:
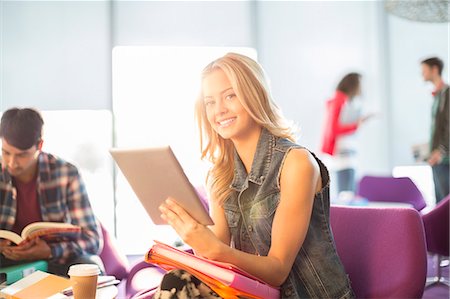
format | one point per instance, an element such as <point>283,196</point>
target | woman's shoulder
<point>301,154</point>
<point>300,159</point>
<point>285,144</point>
<point>299,168</point>
<point>293,151</point>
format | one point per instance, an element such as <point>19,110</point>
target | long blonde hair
<point>249,82</point>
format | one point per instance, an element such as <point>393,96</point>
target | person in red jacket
<point>342,119</point>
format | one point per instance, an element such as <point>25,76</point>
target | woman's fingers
<point>177,217</point>
<point>177,209</point>
<point>170,216</point>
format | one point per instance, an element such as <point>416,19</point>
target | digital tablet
<point>155,174</point>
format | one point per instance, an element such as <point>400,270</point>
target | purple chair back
<point>436,224</point>
<point>382,250</point>
<point>145,294</point>
<point>390,189</point>
<point>114,260</point>
<point>201,192</point>
<point>143,280</point>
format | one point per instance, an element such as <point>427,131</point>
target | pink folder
<point>225,273</point>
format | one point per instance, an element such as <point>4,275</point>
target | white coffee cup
<point>84,277</point>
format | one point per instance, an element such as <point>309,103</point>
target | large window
<point>83,138</point>
<point>154,89</point>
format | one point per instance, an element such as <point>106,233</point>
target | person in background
<point>439,135</point>
<point>37,186</point>
<point>269,197</point>
<point>342,119</point>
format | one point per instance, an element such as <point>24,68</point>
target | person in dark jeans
<point>342,119</point>
<point>439,133</point>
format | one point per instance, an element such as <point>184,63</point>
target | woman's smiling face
<point>224,110</point>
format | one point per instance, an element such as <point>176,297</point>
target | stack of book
<point>227,280</point>
<point>11,274</point>
<point>40,284</point>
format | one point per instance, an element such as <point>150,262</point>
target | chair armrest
<point>143,277</point>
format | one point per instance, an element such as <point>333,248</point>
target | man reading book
<point>37,186</point>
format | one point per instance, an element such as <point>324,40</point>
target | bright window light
<point>422,176</point>
<point>154,90</point>
<point>83,138</point>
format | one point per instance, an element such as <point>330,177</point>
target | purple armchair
<point>382,250</point>
<point>114,260</point>
<point>144,278</point>
<point>390,189</point>
<point>436,224</point>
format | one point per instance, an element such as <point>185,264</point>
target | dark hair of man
<point>434,61</point>
<point>349,84</point>
<point>22,128</point>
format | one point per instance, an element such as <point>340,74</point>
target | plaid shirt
<point>62,197</point>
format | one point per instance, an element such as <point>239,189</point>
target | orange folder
<point>38,285</point>
<point>225,279</point>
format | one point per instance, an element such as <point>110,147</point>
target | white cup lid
<point>84,270</point>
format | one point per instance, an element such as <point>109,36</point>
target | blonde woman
<point>269,197</point>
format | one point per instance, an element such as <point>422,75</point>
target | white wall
<point>183,23</point>
<point>409,43</point>
<point>56,55</point>
<point>307,47</point>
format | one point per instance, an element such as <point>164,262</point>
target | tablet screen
<point>155,174</point>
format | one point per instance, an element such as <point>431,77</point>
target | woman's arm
<point>338,127</point>
<point>299,181</point>
<point>220,227</point>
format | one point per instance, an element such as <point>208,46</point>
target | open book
<point>48,231</point>
<point>225,279</point>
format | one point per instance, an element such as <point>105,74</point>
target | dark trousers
<point>441,180</point>
<point>345,180</point>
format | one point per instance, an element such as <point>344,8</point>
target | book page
<point>9,235</point>
<point>39,229</point>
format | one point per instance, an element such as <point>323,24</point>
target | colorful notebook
<point>38,285</point>
<point>225,279</point>
<point>12,274</point>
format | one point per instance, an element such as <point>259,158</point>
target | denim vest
<point>317,271</point>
